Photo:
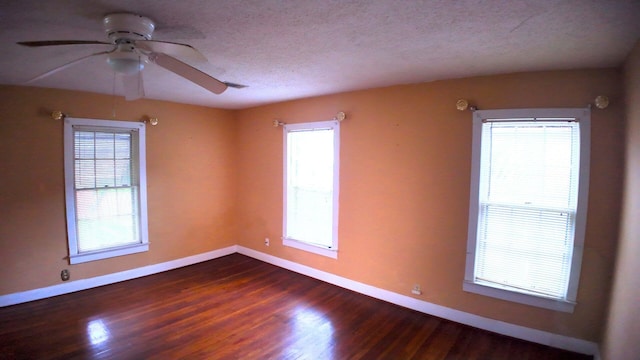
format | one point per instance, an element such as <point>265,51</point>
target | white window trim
<point>316,249</point>
<point>301,245</point>
<point>74,256</point>
<point>583,115</point>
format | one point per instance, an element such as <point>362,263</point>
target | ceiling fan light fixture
<point>126,62</point>
<point>128,26</point>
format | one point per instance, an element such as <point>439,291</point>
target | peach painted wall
<point>404,187</point>
<point>622,336</point>
<point>191,183</point>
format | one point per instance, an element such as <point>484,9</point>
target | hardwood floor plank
<point>236,307</point>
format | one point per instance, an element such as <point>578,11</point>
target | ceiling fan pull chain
<point>113,108</point>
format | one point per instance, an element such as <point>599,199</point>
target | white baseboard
<point>496,326</point>
<point>83,284</point>
<point>500,327</point>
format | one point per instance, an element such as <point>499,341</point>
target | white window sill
<point>522,298</point>
<point>311,248</point>
<point>108,253</point>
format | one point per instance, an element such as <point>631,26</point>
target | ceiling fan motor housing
<point>125,26</point>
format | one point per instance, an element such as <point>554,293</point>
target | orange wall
<point>404,187</point>
<point>622,336</point>
<point>191,183</point>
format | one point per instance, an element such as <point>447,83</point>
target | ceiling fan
<point>131,48</point>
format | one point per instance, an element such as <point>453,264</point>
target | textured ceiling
<point>293,49</point>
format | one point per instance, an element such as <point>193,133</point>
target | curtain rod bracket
<point>58,115</point>
<point>601,102</point>
<point>463,105</point>
<point>150,120</point>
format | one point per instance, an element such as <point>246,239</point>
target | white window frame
<point>583,116</point>
<point>331,251</point>
<point>75,256</point>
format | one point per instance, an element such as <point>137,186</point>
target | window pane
<point>105,147</point>
<point>310,216</point>
<point>111,165</point>
<point>123,173</point>
<point>531,163</point>
<point>123,146</point>
<point>311,159</point>
<point>86,204</point>
<point>105,173</point>
<point>85,174</point>
<point>106,218</point>
<point>84,143</point>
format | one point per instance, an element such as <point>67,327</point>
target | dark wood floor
<point>236,307</point>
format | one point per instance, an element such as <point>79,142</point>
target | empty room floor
<point>236,307</point>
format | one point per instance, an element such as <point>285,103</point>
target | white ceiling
<point>289,49</point>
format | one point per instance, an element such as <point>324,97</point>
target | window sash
<point>107,218</point>
<point>536,242</point>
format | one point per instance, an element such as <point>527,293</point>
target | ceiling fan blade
<point>183,51</point>
<point>188,72</point>
<point>133,86</point>
<point>64,66</point>
<point>61,42</point>
<point>235,86</point>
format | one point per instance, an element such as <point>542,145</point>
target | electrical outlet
<point>266,241</point>
<point>416,290</point>
<point>65,275</point>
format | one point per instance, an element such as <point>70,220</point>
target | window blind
<point>528,192</point>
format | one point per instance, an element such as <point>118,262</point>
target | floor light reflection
<point>312,335</point>
<point>97,332</point>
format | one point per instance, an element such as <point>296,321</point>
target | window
<point>311,154</point>
<point>529,188</point>
<point>105,188</point>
